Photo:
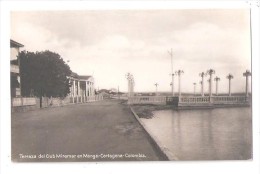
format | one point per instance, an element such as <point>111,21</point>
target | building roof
<point>75,75</point>
<point>15,44</point>
<point>84,77</point>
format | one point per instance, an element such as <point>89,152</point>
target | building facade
<point>81,86</point>
<point>15,68</point>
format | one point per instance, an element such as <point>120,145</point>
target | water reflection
<point>214,134</point>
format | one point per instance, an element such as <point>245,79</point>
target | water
<point>213,134</point>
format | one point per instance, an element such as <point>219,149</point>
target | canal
<point>208,134</point>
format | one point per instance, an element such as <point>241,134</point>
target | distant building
<point>105,93</point>
<point>81,86</point>
<point>15,68</point>
<point>113,90</point>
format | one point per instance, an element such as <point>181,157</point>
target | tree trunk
<point>40,101</point>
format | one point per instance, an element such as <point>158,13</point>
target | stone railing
<point>194,99</point>
<point>229,99</point>
<point>83,99</point>
<point>214,100</point>
<point>147,100</point>
<point>23,101</point>
<point>190,100</point>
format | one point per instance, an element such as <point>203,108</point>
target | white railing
<point>23,101</point>
<point>214,100</point>
<point>190,100</point>
<point>83,99</point>
<point>14,68</point>
<point>229,99</point>
<point>147,100</point>
<point>194,99</point>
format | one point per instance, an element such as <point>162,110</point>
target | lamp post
<point>246,74</point>
<point>194,89</point>
<point>229,77</point>
<point>217,79</point>
<point>172,74</point>
<point>179,72</point>
<point>209,85</point>
<point>210,72</point>
<point>202,74</point>
<point>201,88</point>
<point>130,80</point>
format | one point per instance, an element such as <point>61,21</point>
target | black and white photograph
<point>131,85</point>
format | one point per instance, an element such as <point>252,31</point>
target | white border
<point>7,167</point>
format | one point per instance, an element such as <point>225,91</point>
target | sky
<point>110,43</point>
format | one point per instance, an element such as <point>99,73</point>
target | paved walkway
<point>101,131</point>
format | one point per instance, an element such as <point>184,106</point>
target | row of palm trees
<point>209,72</point>
<point>179,73</point>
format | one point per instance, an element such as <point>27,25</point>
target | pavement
<point>99,131</point>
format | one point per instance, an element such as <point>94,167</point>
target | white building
<point>81,86</point>
<point>15,68</point>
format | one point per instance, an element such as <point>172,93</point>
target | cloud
<point>110,43</point>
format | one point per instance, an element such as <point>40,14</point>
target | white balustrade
<point>194,100</point>
<point>147,100</point>
<point>190,100</point>
<point>86,99</point>
<point>23,101</point>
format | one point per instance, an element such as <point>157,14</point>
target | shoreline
<point>155,141</point>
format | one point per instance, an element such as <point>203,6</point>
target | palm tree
<point>202,94</point>
<point>209,85</point>
<point>217,79</point>
<point>210,72</point>
<point>202,74</point>
<point>229,77</point>
<point>246,74</point>
<point>179,72</point>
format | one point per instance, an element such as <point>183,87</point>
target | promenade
<point>99,131</point>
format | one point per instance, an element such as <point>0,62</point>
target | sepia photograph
<point>131,85</point>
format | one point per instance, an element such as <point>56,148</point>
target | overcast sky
<point>108,44</point>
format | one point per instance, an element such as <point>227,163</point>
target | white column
<point>86,88</point>
<point>74,88</point>
<point>93,89</point>
<point>78,88</point>
<point>89,88</point>
<point>70,88</point>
